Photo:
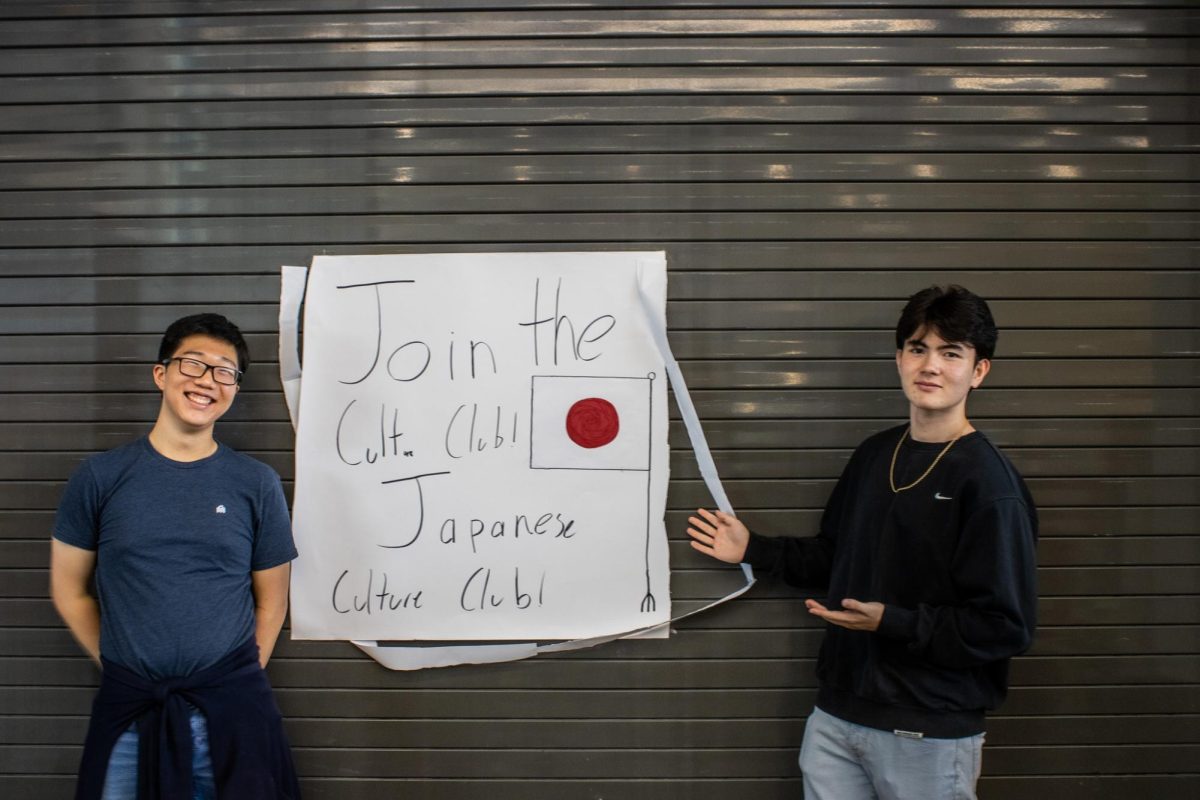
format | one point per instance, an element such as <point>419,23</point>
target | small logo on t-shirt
<point>220,509</point>
<point>936,496</point>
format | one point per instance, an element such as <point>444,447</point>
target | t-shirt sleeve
<point>273,544</point>
<point>77,521</point>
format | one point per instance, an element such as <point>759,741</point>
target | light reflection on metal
<point>878,201</point>
<point>925,171</point>
<point>1027,13</point>
<point>522,173</point>
<point>1062,171</point>
<point>1140,142</point>
<point>1031,83</point>
<point>794,378</point>
<point>1029,26</point>
<point>402,175</point>
<point>846,26</point>
<point>405,133</point>
<point>748,409</point>
<point>779,172</point>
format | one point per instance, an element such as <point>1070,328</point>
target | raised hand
<point>719,535</point>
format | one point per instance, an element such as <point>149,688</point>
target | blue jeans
<point>844,761</point>
<point>120,783</point>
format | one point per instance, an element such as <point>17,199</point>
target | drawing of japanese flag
<point>590,422</point>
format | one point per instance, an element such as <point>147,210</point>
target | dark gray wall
<point>806,166</point>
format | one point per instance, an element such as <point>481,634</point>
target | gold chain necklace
<point>925,474</point>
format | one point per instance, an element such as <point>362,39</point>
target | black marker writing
<point>477,594</point>
<point>461,438</point>
<point>378,323</point>
<point>551,525</point>
<point>371,600</point>
<point>420,506</point>
<point>602,324</point>
<point>388,437</point>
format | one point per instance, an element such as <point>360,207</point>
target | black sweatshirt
<point>250,753</point>
<point>952,559</point>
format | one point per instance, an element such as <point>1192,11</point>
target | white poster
<point>482,448</point>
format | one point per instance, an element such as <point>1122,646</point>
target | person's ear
<point>982,367</point>
<point>160,376</point>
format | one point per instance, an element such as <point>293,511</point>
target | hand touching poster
<point>481,450</point>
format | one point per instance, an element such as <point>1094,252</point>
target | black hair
<point>214,325</point>
<point>957,315</point>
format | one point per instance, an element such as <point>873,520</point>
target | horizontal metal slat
<point>486,24</point>
<point>615,197</point>
<point>600,138</point>
<point>870,79</point>
<point>70,9</point>
<point>560,229</point>
<point>889,289</point>
<point>785,643</point>
<point>579,673</point>
<point>641,51</point>
<point>960,259</point>
<point>1047,315</point>
<point>671,108</point>
<point>665,733</point>
<point>308,173</point>
<point>476,698</point>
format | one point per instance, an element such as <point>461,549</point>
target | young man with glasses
<point>189,544</point>
<point>926,557</point>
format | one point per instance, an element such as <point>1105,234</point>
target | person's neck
<point>182,446</point>
<point>937,427</point>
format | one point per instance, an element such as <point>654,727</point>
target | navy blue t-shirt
<point>175,544</point>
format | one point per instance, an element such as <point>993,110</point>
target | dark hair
<point>956,314</point>
<point>214,325</point>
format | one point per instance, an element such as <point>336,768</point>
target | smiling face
<point>193,405</point>
<point>937,375</point>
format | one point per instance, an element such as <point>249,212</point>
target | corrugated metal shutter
<point>806,166</point>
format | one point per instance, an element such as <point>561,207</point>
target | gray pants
<point>844,761</point>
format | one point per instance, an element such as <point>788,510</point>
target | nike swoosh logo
<point>940,496</point>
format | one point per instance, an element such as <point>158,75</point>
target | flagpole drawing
<point>648,602</point>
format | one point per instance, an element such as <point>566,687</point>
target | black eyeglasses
<point>227,376</point>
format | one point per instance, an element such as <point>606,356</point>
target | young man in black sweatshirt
<point>926,557</point>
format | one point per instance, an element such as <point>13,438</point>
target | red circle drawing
<point>593,422</point>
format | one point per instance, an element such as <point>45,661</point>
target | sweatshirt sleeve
<point>800,561</point>
<point>995,568</point>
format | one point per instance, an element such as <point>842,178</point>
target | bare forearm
<point>82,615</point>
<point>270,588</point>
<point>267,624</point>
